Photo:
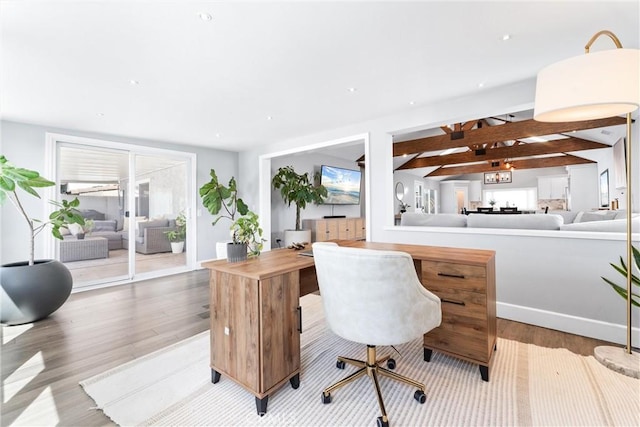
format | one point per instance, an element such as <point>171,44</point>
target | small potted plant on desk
<point>178,235</point>
<point>33,289</point>
<point>298,189</point>
<point>247,238</point>
<point>216,196</point>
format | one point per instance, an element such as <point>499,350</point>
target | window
<point>522,198</point>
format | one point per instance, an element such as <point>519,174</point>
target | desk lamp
<point>589,87</point>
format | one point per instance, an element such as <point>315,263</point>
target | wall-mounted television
<point>343,185</point>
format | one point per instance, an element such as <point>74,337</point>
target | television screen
<point>343,185</point>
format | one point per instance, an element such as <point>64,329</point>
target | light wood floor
<point>97,330</point>
<point>117,265</point>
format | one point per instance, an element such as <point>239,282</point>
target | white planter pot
<point>221,249</point>
<point>293,236</point>
<point>177,247</point>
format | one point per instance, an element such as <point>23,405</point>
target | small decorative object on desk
<point>297,246</point>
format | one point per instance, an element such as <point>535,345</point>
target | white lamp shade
<point>590,86</point>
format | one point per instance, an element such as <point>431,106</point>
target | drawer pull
<point>300,319</point>
<point>452,301</point>
<point>457,276</point>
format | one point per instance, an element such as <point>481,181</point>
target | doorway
<point>133,196</point>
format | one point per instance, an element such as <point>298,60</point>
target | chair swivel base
<point>371,367</point>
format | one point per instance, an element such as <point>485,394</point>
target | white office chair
<point>374,298</point>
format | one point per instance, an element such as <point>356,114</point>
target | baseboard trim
<point>611,332</point>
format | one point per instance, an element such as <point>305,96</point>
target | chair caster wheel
<point>391,364</point>
<point>326,398</point>
<point>382,423</point>
<point>420,396</point>
<point>340,364</point>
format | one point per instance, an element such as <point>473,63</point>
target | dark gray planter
<point>31,293</point>
<point>236,252</point>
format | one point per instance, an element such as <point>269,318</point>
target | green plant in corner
<point>12,177</point>
<point>299,189</point>
<point>180,232</point>
<point>622,269</point>
<point>216,196</point>
<point>247,230</point>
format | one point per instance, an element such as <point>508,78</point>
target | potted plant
<point>635,280</point>
<point>33,289</point>
<point>298,189</point>
<point>86,229</point>
<point>247,238</point>
<point>178,235</point>
<point>216,196</point>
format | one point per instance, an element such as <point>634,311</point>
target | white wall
<point>24,145</point>
<point>583,182</point>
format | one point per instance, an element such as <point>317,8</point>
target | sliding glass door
<point>136,207</point>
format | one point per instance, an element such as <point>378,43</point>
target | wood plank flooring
<point>97,330</point>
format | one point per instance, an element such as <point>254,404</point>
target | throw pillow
<point>75,229</point>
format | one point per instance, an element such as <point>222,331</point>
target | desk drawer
<point>464,342</point>
<point>455,302</point>
<point>443,275</point>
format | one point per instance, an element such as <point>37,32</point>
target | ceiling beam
<point>514,151</point>
<point>505,132</point>
<point>545,162</point>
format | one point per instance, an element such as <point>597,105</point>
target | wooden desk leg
<point>215,376</point>
<point>261,405</point>
<point>484,372</point>
<point>295,381</point>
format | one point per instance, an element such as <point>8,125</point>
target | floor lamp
<point>588,87</point>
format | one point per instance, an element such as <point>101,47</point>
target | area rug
<point>529,385</point>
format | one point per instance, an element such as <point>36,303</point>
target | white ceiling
<point>69,64</point>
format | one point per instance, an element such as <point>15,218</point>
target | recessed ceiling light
<point>351,89</point>
<point>480,85</point>
<point>269,118</point>
<point>134,82</point>
<point>217,135</point>
<point>205,16</point>
<point>100,114</point>
<point>506,37</point>
<point>412,102</point>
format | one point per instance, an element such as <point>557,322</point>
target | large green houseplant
<point>33,289</point>
<point>222,201</point>
<point>300,190</point>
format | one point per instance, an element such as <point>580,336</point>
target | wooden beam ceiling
<point>492,134</point>
<point>511,152</point>
<point>544,162</point>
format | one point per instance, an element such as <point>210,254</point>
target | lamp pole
<point>588,87</point>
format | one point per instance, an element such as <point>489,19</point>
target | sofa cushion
<point>104,225</point>
<point>91,214</point>
<point>569,216</point>
<point>527,222</point>
<point>154,223</point>
<point>611,226</point>
<point>433,220</point>
<point>594,216</point>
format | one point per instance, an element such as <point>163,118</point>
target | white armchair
<point>374,298</point>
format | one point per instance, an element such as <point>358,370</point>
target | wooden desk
<point>256,317</point>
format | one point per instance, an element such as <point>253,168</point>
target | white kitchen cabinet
<point>552,187</point>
